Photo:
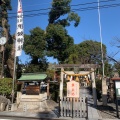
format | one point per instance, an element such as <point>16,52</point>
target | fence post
<point>59,108</point>
<point>72,107</point>
<point>66,106</point>
<point>86,108</point>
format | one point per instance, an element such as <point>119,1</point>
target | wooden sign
<point>73,89</point>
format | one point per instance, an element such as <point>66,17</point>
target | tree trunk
<point>10,60</point>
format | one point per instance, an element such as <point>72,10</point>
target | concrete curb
<point>28,115</point>
<point>44,116</point>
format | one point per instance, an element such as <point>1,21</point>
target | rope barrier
<point>77,74</point>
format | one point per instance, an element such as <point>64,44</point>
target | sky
<point>88,29</point>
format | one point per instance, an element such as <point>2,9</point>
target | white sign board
<point>117,87</point>
<point>3,40</point>
<point>73,89</point>
<point>117,84</point>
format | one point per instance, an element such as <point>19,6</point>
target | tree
<point>35,47</point>
<point>90,52</point>
<point>5,5</point>
<point>61,8</point>
<point>58,40</point>
<point>86,52</point>
<point>73,58</point>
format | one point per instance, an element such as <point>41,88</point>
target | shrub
<point>6,86</point>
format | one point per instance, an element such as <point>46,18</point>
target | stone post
<point>94,87</point>
<point>61,83</point>
<point>104,91</point>
<point>48,87</point>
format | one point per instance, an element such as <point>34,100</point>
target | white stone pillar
<point>94,87</point>
<point>61,83</point>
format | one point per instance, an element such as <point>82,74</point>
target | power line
<point>96,7</point>
<point>73,10</point>
<point>63,6</point>
<point>93,2</point>
<point>59,1</point>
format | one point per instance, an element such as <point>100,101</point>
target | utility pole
<point>2,71</point>
<point>104,86</point>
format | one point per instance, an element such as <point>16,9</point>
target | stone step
<point>33,105</point>
<point>30,100</point>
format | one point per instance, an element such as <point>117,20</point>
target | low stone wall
<point>31,101</point>
<point>24,97</point>
<point>4,102</point>
<point>2,106</point>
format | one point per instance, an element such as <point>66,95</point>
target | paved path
<point>93,113</point>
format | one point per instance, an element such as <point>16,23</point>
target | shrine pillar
<point>94,87</point>
<point>61,83</point>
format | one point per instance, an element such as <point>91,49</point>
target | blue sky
<point>88,28</point>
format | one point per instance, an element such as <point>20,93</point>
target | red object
<point>117,78</point>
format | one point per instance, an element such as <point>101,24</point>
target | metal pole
<point>2,72</point>
<point>104,86</point>
<point>101,39</point>
<point>117,113</point>
<point>14,77</point>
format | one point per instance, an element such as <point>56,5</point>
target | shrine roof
<point>116,79</point>
<point>32,77</point>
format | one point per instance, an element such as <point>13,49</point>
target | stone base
<point>104,100</point>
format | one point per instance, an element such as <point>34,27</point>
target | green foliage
<point>41,66</point>
<point>86,52</point>
<point>62,8</point>
<point>90,52</point>
<point>57,38</point>
<point>117,67</point>
<point>50,73</point>
<point>108,68</point>
<point>54,91</point>
<point>35,47</point>
<point>74,17</point>
<point>34,44</point>
<point>5,5</point>
<point>58,42</point>
<point>6,86</point>
<point>73,57</point>
<point>98,88</point>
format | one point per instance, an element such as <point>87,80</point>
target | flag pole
<point>18,42</point>
<point>14,72</point>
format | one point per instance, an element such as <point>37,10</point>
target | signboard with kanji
<point>73,89</point>
<point>20,30</point>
